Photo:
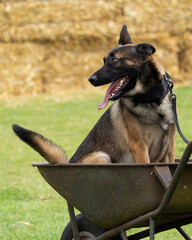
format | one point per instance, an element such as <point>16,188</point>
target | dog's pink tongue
<point>106,99</point>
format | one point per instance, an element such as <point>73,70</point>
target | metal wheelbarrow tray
<point>121,196</point>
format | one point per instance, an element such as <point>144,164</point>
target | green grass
<point>29,207</point>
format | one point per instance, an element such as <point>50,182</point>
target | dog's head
<point>123,67</point>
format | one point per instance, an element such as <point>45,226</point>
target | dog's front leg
<point>139,151</point>
<point>169,155</point>
<point>136,139</point>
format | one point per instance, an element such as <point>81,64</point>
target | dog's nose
<point>92,79</point>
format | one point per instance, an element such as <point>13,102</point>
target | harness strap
<point>174,107</point>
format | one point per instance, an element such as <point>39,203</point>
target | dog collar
<point>155,95</point>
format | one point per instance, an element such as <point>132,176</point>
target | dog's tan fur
<point>53,153</point>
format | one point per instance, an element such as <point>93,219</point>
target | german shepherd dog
<point>138,127</point>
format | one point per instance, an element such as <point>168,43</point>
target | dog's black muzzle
<point>100,77</point>
<point>93,80</point>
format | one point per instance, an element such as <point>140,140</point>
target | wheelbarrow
<point>113,198</point>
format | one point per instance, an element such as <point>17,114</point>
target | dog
<point>138,127</point>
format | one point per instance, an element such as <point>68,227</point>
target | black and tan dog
<point>138,127</point>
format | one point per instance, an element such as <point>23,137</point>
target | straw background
<point>54,45</point>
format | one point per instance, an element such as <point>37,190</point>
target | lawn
<point>29,207</point>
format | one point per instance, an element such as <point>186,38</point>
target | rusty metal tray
<point>112,194</point>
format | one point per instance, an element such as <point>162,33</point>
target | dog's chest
<point>153,125</point>
<point>157,140</point>
<point>161,115</point>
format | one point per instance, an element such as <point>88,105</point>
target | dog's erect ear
<point>146,48</point>
<point>124,36</point>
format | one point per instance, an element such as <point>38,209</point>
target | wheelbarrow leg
<point>152,228</point>
<point>73,222</point>
<point>123,235</point>
<point>183,233</point>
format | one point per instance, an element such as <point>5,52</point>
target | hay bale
<point>156,16</point>
<point>50,45</point>
<point>24,71</point>
<point>54,20</point>
<point>185,57</point>
<point>36,12</point>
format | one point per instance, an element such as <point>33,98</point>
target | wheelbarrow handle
<point>176,177</point>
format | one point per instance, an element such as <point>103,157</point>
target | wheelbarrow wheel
<point>87,230</point>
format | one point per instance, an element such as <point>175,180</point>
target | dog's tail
<point>46,148</point>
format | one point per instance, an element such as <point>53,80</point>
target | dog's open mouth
<point>114,91</point>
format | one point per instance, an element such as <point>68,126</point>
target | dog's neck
<point>150,113</point>
<point>154,95</point>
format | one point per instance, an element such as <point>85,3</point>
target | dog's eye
<point>114,59</point>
